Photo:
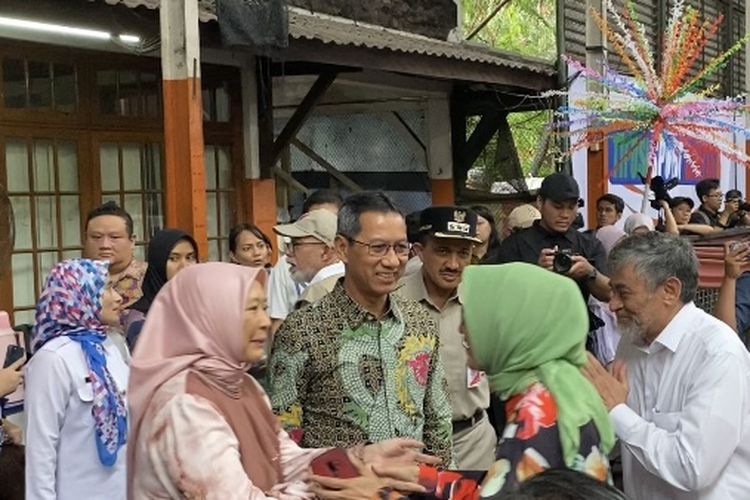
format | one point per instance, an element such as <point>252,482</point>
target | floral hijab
<point>70,305</point>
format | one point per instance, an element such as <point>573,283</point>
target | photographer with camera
<point>554,244</point>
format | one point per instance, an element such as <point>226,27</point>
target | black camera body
<point>562,261</point>
<point>661,187</point>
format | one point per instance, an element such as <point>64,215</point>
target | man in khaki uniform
<point>447,235</point>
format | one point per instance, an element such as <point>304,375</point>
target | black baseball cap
<point>449,222</point>
<point>679,200</point>
<point>559,187</point>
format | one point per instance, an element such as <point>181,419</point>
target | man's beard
<point>632,330</point>
<point>299,277</point>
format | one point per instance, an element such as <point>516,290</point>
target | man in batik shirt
<point>362,364</point>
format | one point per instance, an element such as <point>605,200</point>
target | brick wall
<point>433,18</point>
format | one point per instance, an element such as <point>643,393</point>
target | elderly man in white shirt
<point>679,391</point>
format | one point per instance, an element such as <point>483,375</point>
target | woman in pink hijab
<point>200,426</point>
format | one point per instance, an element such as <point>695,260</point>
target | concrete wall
<point>433,18</point>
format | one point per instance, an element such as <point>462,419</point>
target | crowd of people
<point>432,355</point>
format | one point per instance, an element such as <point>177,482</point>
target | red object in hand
<point>334,463</point>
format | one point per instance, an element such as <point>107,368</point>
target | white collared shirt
<point>335,269</point>
<point>685,430</point>
<point>61,458</point>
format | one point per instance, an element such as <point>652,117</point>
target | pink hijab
<point>609,236</point>
<point>196,323</point>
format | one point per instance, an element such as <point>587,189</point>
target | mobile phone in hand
<point>334,463</point>
<point>13,354</point>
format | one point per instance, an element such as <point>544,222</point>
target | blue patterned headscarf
<point>70,305</point>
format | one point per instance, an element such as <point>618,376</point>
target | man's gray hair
<point>355,205</point>
<point>658,257</point>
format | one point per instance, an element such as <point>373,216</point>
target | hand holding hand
<point>364,487</point>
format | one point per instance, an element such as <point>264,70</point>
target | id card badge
<point>473,378</point>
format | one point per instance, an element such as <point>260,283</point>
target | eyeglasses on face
<point>380,248</point>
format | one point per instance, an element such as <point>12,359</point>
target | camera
<point>660,188</point>
<point>562,261</point>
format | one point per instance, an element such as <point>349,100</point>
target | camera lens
<point>562,263</point>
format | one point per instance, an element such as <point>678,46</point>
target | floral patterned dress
<point>529,445</point>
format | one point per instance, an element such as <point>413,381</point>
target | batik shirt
<point>339,376</point>
<point>128,283</point>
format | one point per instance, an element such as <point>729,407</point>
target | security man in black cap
<point>553,243</point>
<point>447,236</point>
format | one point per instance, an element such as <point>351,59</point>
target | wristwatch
<point>592,274</point>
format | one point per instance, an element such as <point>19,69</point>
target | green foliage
<point>523,26</point>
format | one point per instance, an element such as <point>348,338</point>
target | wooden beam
<point>265,116</point>
<point>184,173</point>
<point>458,143</point>
<point>291,181</point>
<point>300,116</point>
<point>486,128</point>
<point>333,171</point>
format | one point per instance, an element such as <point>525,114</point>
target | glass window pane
<point>45,261</point>
<point>71,254</point>
<point>17,165</point>
<point>131,167</point>
<point>22,216</point>
<point>67,166</point>
<point>212,219</point>
<point>40,85</point>
<point>46,222</point>
<point>128,94</point>
<point>151,95</point>
<point>66,93</point>
<point>140,252</point>
<point>152,172</point>
<point>111,197</point>
<point>106,84</point>
<point>108,165</point>
<point>23,280</point>
<point>225,167</point>
<point>134,206</point>
<point>24,317</point>
<point>44,166</point>
<point>71,221</point>
<point>207,100</point>
<point>14,83</point>
<point>222,103</point>
<point>226,214</point>
<point>209,160</point>
<point>213,251</point>
<point>155,214</point>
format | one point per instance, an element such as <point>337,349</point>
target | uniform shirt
<point>61,458</point>
<point>526,245</point>
<point>339,376</point>
<point>465,401</point>
<point>685,430</point>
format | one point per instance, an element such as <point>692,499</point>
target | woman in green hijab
<point>531,345</point>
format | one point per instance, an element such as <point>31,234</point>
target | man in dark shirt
<point>558,200</point>
<point>709,194</point>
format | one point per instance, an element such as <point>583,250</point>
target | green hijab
<point>526,324</point>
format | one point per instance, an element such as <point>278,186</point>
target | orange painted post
<point>443,192</point>
<point>439,151</point>
<point>260,197</point>
<point>597,182</point>
<point>184,172</point>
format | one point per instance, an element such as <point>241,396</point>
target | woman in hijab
<point>531,347</point>
<point>200,426</point>
<point>75,389</point>
<point>638,224</point>
<point>169,252</point>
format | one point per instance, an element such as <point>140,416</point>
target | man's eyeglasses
<point>716,195</point>
<point>289,249</point>
<point>380,249</point>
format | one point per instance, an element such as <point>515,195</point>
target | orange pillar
<point>184,171</point>
<point>260,197</point>
<point>597,181</point>
<point>443,192</point>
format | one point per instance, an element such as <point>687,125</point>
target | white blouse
<point>61,457</point>
<point>186,449</point>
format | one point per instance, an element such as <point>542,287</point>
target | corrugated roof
<point>306,25</point>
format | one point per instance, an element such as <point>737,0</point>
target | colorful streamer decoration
<point>666,105</point>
